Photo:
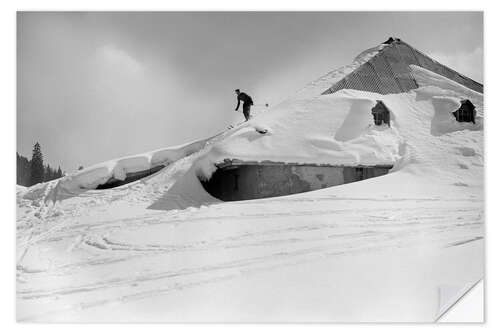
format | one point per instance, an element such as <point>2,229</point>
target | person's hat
<point>237,90</point>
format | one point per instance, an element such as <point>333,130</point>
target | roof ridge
<point>393,74</point>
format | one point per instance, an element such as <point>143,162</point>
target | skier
<point>247,103</point>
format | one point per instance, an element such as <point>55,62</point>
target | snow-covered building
<point>385,69</point>
<point>154,243</point>
<point>323,136</point>
<point>342,128</point>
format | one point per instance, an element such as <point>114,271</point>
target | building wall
<point>254,181</point>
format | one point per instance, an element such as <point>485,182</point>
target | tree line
<point>31,172</point>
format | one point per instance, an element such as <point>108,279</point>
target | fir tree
<point>36,165</point>
<point>23,170</point>
<point>46,173</point>
<point>41,173</point>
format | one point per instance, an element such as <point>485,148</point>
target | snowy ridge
<point>91,177</point>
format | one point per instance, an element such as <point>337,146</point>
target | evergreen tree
<point>46,173</point>
<point>33,172</point>
<point>36,165</point>
<point>19,176</point>
<point>23,170</point>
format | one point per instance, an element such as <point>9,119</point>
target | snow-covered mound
<point>161,248</point>
<point>91,177</point>
<point>95,175</point>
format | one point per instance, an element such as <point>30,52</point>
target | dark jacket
<point>247,100</point>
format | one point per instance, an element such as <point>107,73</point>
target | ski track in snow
<point>283,238</point>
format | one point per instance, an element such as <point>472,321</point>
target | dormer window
<point>466,112</point>
<point>381,114</point>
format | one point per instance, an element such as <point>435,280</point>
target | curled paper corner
<point>450,296</point>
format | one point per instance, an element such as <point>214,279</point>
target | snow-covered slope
<point>163,249</point>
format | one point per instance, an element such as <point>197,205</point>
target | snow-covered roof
<point>315,128</point>
<point>386,70</point>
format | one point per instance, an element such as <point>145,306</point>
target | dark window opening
<point>236,182</point>
<point>466,112</point>
<point>130,177</point>
<point>381,114</point>
<point>358,174</point>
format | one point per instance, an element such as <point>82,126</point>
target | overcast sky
<point>96,86</point>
